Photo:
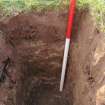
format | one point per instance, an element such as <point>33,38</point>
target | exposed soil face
<point>34,43</point>
<point>37,38</point>
<point>7,85</point>
<point>86,77</point>
<point>37,43</point>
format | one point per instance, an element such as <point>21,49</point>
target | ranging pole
<point>67,43</point>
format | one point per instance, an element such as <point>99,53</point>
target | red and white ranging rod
<point>67,43</point>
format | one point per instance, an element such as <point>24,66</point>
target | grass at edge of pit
<point>97,7</point>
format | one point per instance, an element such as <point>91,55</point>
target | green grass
<point>20,5</point>
<point>97,7</point>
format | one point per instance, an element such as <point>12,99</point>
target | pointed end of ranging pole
<point>60,90</point>
<point>61,86</point>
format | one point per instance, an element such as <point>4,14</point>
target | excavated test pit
<point>37,45</point>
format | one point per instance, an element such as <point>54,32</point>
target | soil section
<point>86,77</point>
<point>35,45</point>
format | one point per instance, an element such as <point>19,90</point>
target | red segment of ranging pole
<point>67,43</point>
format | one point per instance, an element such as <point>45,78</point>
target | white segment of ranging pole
<point>67,43</point>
